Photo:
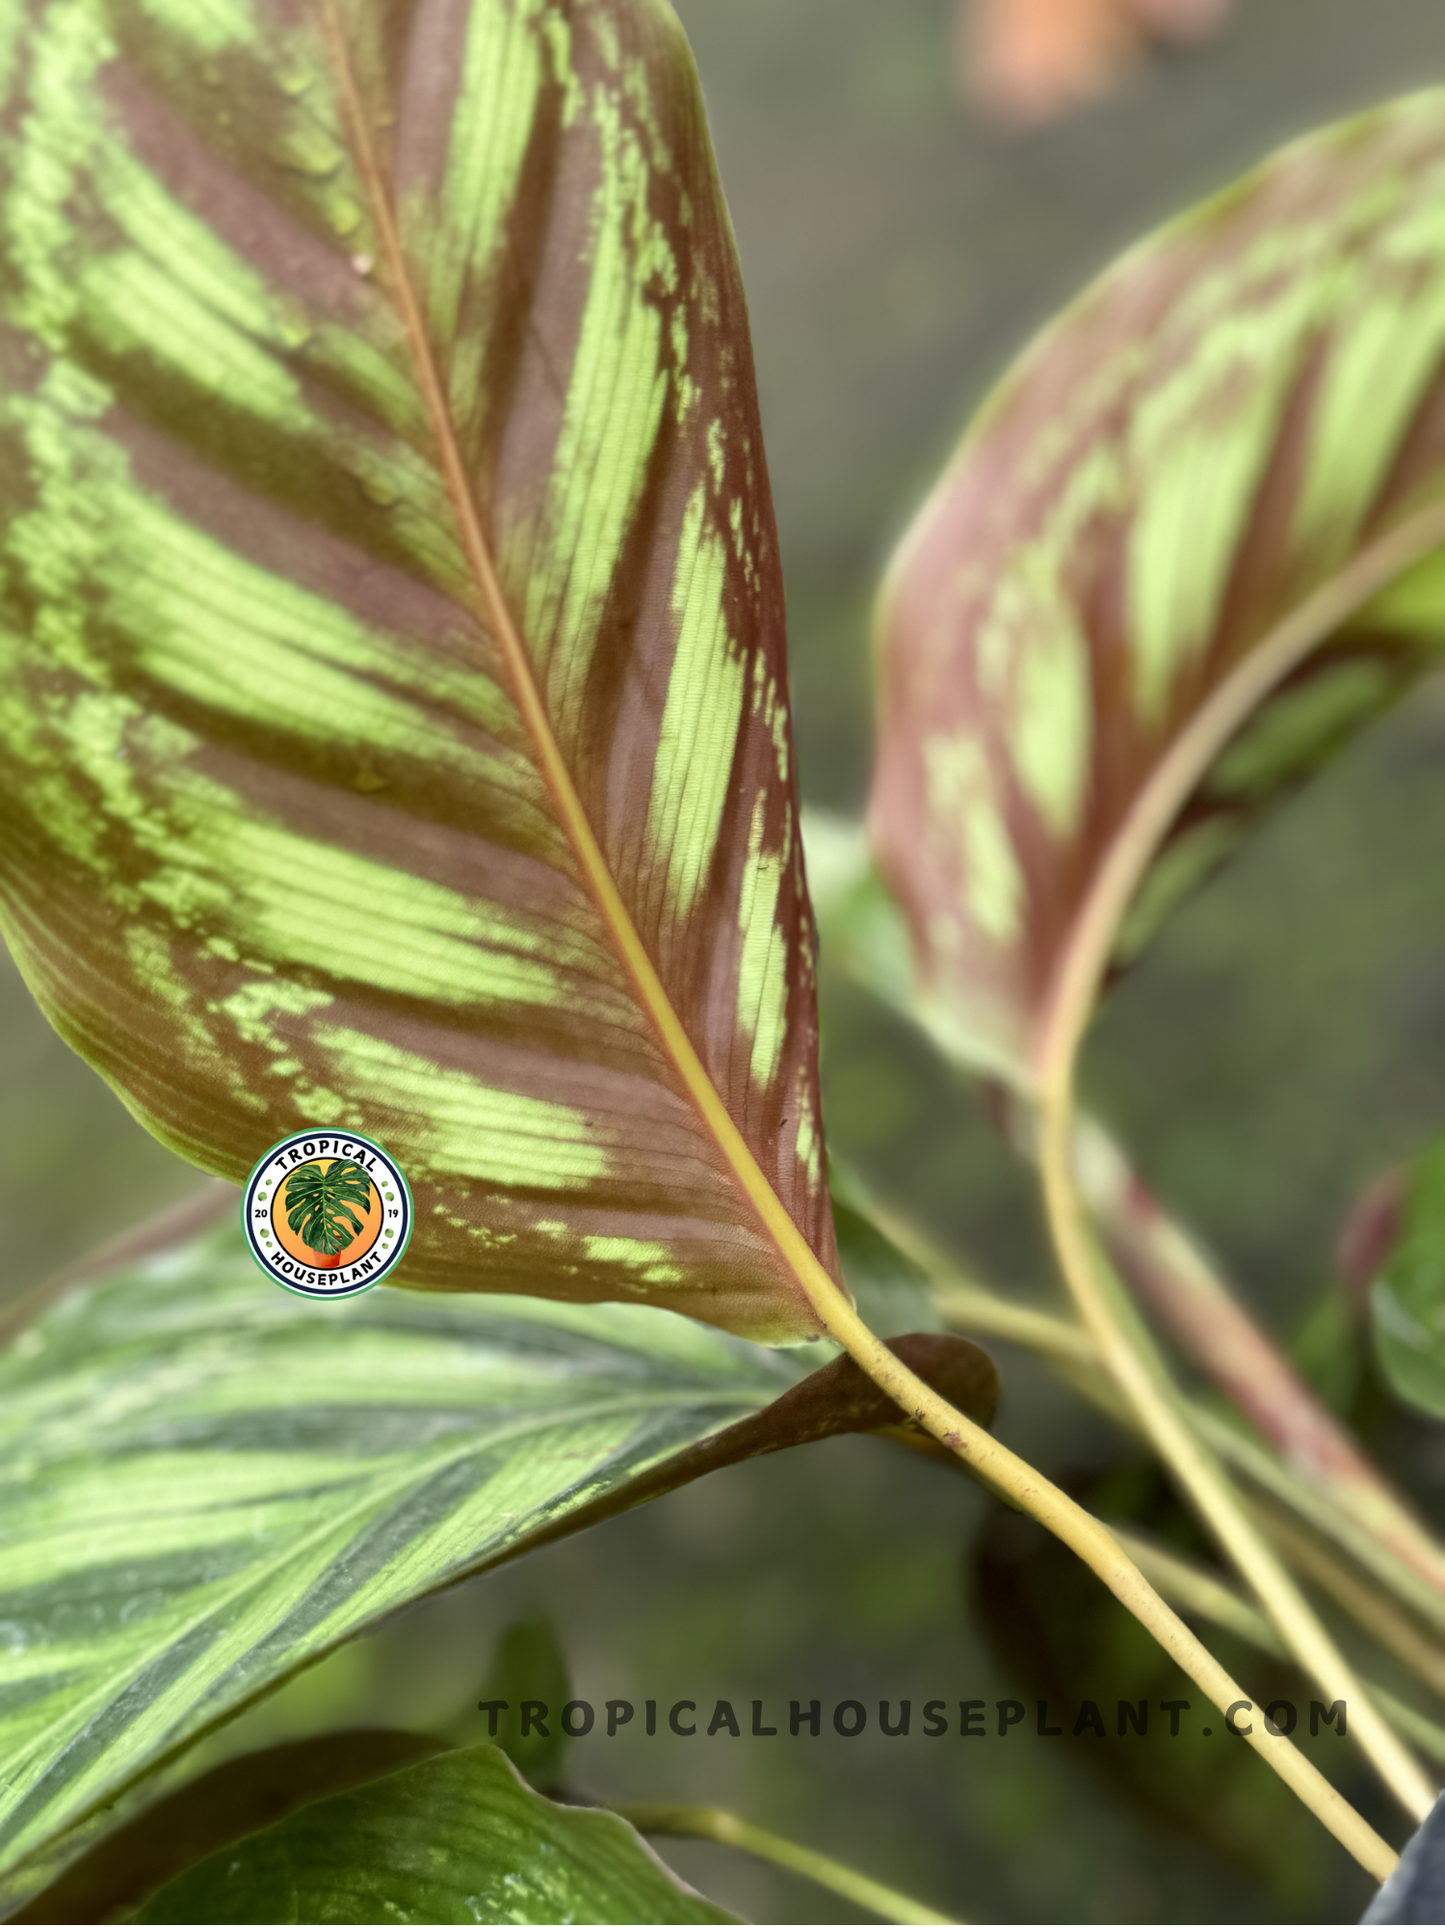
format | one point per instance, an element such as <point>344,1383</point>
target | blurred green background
<point>1281,1044</point>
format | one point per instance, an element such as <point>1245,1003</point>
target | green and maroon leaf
<point>393,723</point>
<point>1188,548</point>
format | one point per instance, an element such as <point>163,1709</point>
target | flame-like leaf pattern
<point>393,718</point>
<point>1215,488</point>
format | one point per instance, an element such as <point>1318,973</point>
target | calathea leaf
<point>1190,545</point>
<point>205,1486</point>
<point>318,1201</point>
<point>393,722</point>
<point>459,1837</point>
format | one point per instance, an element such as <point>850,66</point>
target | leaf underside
<point>1235,419</point>
<point>205,1484</point>
<point>456,1838</point>
<point>393,722</point>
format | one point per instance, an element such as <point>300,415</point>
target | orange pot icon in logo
<point>327,1215</point>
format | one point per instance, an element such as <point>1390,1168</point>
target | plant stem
<point>1308,1502</point>
<point>1083,1534</point>
<point>1196,1590</point>
<point>1060,1031</point>
<point>1158,1405</point>
<point>972,1307</point>
<point>712,1823</point>
<point>824,1298</point>
<point>1167,1268</point>
<point>1379,1616</point>
<point>1040,1331</point>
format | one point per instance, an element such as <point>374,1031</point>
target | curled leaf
<point>1191,545</point>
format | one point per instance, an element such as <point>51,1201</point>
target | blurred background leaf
<point>1210,489</point>
<point>1407,1302</point>
<point>530,1665</point>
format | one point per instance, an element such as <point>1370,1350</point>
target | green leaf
<point>529,1664</point>
<point>238,1797</point>
<point>317,1198</point>
<point>1407,1300</point>
<point>393,713</point>
<point>1190,546</point>
<point>456,1838</point>
<point>206,1484</point>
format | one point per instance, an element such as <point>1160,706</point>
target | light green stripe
<point>497,94</point>
<point>465,1128</point>
<point>614,405</point>
<point>700,720</point>
<point>762,1002</point>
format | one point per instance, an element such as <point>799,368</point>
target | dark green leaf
<point>239,1797</point>
<point>393,696</point>
<point>1407,1301</point>
<point>456,1838</point>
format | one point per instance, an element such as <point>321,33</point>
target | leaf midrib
<point>812,1278</point>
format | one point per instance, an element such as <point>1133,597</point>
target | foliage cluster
<point>394,735</point>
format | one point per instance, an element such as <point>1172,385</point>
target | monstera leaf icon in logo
<point>327,1215</point>
<point>318,1197</point>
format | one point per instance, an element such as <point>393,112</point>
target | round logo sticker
<point>327,1215</point>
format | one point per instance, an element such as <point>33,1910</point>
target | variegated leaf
<point>1191,544</point>
<point>393,723</point>
<point>205,1484</point>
